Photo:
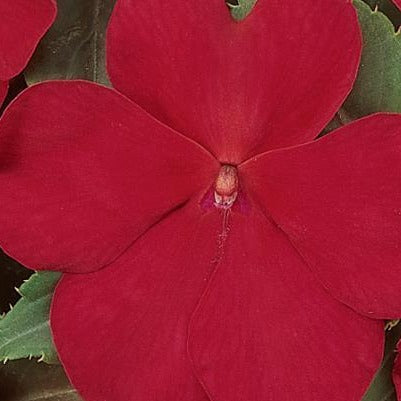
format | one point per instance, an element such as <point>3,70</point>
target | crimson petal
<point>339,201</point>
<point>266,330</point>
<point>84,171</point>
<point>272,80</point>
<point>121,332</point>
<point>23,23</point>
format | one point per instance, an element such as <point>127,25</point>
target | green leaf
<point>74,48</point>
<point>25,330</point>
<point>378,86</point>
<point>387,7</point>
<point>12,274</point>
<point>25,380</point>
<point>240,9</point>
<point>382,388</point>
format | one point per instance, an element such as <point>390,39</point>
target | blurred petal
<point>23,23</point>
<point>339,201</point>
<point>121,332</point>
<point>84,172</point>
<point>266,330</point>
<point>272,80</point>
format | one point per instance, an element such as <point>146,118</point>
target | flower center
<point>226,187</point>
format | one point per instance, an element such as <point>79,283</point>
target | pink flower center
<point>226,187</point>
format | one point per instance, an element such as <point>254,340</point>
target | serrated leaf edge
<point>41,355</point>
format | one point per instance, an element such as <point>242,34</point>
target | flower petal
<point>121,332</point>
<point>84,172</point>
<point>398,3</point>
<point>266,330</point>
<point>339,201</point>
<point>272,80</point>
<point>3,91</point>
<point>23,23</point>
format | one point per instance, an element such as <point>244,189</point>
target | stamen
<point>226,187</point>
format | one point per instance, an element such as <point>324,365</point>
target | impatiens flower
<point>212,249</point>
<point>23,23</point>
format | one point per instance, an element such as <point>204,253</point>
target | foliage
<point>240,9</point>
<point>378,86</point>
<point>25,331</point>
<point>74,47</point>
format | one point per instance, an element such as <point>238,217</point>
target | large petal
<point>272,80</point>
<point>266,330</point>
<point>84,171</point>
<point>121,332</point>
<point>3,91</point>
<point>23,23</point>
<point>339,201</point>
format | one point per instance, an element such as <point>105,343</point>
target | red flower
<point>23,23</point>
<point>207,254</point>
<point>397,363</point>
